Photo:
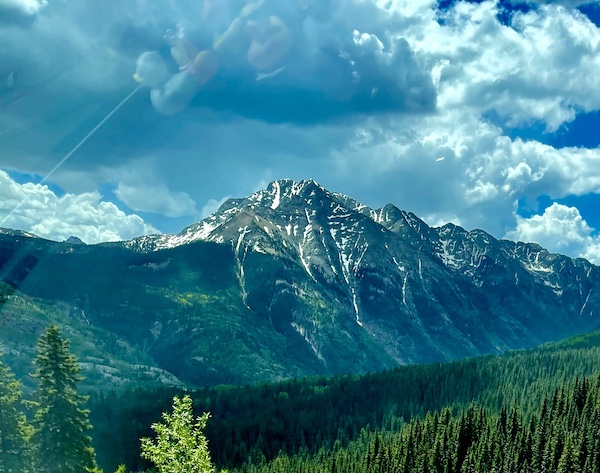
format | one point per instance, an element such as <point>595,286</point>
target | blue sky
<point>368,98</point>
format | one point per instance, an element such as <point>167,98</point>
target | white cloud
<point>212,206</point>
<point>545,66</point>
<point>560,229</point>
<point>37,209</point>
<point>570,3</point>
<point>28,7</point>
<point>142,186</point>
<point>482,177</point>
<point>156,198</point>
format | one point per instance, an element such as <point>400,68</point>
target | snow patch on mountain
<point>330,236</point>
<point>535,265</point>
<point>277,197</point>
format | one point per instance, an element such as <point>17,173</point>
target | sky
<point>485,114</point>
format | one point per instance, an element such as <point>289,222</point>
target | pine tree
<point>60,423</point>
<point>180,444</point>
<point>568,460</point>
<point>14,431</point>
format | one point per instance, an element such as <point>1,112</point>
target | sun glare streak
<point>73,151</point>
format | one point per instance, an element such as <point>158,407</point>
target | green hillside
<point>586,340</point>
<point>183,309</point>
<point>107,360</point>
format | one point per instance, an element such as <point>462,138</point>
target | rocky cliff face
<point>298,280</point>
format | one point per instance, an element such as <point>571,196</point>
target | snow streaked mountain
<point>16,233</point>
<point>328,231</point>
<point>312,281</point>
<point>424,293</point>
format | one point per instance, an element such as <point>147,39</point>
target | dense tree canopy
<point>562,436</point>
<point>528,411</point>
<point>308,414</point>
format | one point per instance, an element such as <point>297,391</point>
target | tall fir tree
<point>60,438</point>
<point>15,453</point>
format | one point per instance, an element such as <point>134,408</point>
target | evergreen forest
<point>269,426</point>
<point>527,411</point>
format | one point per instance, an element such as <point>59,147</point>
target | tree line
<point>260,421</point>
<point>561,436</point>
<point>535,410</point>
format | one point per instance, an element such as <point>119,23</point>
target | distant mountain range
<point>291,281</point>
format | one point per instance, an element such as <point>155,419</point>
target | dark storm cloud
<point>75,62</point>
<point>343,59</point>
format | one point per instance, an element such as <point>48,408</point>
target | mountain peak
<point>424,293</point>
<point>336,284</point>
<point>74,240</point>
<point>287,189</point>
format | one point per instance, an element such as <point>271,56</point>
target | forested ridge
<point>295,419</point>
<point>561,436</point>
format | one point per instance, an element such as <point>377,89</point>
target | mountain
<point>74,240</point>
<point>296,280</point>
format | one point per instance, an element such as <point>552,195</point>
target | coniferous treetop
<point>60,422</point>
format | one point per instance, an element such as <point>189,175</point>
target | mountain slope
<point>181,307</point>
<point>422,293</point>
<point>297,280</point>
<point>106,359</point>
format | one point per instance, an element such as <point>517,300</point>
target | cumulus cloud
<point>156,198</point>
<point>571,3</point>
<point>212,206</point>
<point>339,116</point>
<point>480,181</point>
<point>346,63</point>
<point>544,66</point>
<point>344,58</point>
<point>140,187</point>
<point>37,209</point>
<point>560,229</point>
